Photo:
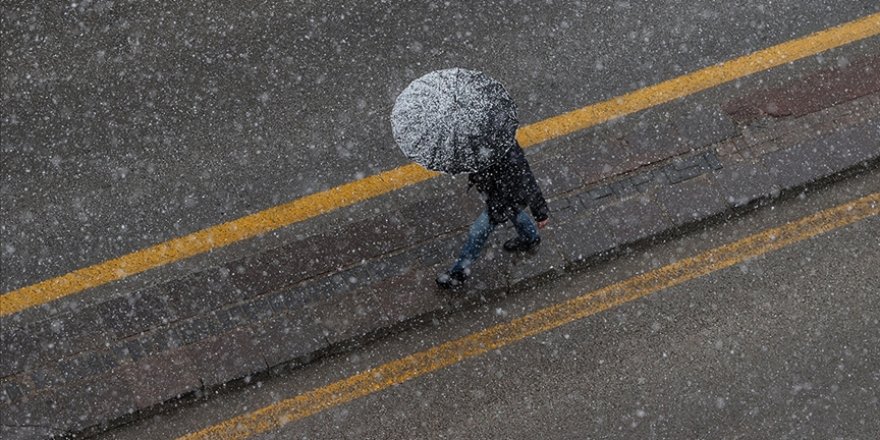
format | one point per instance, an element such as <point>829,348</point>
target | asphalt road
<point>784,345</point>
<point>128,123</point>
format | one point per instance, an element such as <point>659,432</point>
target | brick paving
<point>82,369</point>
<point>820,90</point>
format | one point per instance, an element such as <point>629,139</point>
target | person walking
<point>458,120</point>
<point>508,187</point>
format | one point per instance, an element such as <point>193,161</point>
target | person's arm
<point>540,210</point>
<point>537,203</point>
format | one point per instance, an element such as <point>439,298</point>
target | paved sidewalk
<point>640,179</point>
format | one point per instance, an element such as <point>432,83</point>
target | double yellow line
<point>350,193</point>
<point>419,364</point>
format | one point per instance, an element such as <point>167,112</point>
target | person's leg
<point>525,226</point>
<point>477,237</point>
<point>527,238</point>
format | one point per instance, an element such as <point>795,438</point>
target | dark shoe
<point>520,244</point>
<point>451,279</point>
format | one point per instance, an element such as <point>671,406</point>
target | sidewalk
<point>639,179</point>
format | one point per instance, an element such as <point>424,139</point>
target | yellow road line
<point>212,238</point>
<point>401,370</point>
<point>350,193</point>
<point>700,80</point>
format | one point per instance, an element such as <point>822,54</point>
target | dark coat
<point>509,186</point>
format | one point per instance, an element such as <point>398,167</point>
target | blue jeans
<point>479,234</point>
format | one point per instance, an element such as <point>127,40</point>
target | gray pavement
<point>781,346</point>
<point>125,124</point>
<point>98,364</point>
<point>238,315</point>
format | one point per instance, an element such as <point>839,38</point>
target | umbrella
<point>454,120</point>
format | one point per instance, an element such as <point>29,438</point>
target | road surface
<point>125,125</point>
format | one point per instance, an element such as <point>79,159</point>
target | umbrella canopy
<point>454,121</point>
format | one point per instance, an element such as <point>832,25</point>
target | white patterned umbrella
<point>454,121</point>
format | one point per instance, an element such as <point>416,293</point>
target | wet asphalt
<point>784,345</point>
<point>128,123</point>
